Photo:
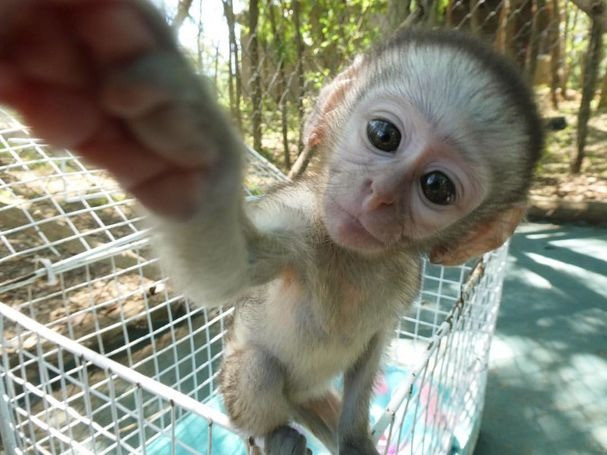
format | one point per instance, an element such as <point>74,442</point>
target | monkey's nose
<point>378,200</point>
<point>383,192</point>
<point>380,197</point>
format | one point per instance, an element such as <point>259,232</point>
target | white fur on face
<point>451,114</point>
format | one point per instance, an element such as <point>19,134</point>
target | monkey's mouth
<point>346,230</point>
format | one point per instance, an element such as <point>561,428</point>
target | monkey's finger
<point>158,193</point>
<point>64,41</point>
<point>143,84</point>
<point>129,162</point>
<point>43,50</point>
<point>175,132</point>
<point>158,184</point>
<point>113,31</point>
<point>152,86</point>
<point>64,118</point>
<point>164,104</point>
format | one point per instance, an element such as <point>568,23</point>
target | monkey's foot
<point>285,440</point>
<point>358,446</point>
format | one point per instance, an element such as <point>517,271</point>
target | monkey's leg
<point>353,433</point>
<point>252,384</point>
<point>321,417</point>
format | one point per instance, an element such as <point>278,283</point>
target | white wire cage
<point>98,354</point>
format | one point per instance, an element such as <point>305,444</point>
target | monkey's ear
<point>485,237</point>
<point>316,125</point>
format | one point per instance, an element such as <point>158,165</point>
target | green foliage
<point>333,32</point>
<point>441,8</point>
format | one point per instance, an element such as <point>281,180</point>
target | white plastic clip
<point>50,273</point>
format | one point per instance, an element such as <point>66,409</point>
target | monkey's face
<point>397,177</point>
<point>433,130</point>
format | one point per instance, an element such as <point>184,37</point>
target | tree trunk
<point>281,97</point>
<point>183,11</point>
<point>603,99</point>
<point>253,49</point>
<point>501,36</point>
<point>428,11</point>
<point>569,27</point>
<point>299,73</point>
<point>284,123</point>
<point>216,72</point>
<point>234,79</point>
<point>555,54</point>
<point>475,26</point>
<point>398,11</point>
<point>537,26</point>
<point>591,7</point>
<point>520,32</point>
<point>199,49</point>
<point>231,94</point>
<point>591,67</point>
<point>449,13</point>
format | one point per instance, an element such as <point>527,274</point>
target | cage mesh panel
<point>456,362</point>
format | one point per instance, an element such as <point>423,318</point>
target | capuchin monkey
<point>427,143</point>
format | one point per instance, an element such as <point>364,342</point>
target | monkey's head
<point>429,142</point>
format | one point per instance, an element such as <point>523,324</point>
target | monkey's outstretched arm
<point>106,79</point>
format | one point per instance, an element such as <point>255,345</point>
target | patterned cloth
<point>421,420</point>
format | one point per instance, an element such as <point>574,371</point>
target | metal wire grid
<point>522,29</point>
<point>36,194</point>
<point>447,387</point>
<point>99,355</point>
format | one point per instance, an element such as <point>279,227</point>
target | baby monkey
<point>427,143</point>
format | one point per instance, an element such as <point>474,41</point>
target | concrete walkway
<point>547,388</point>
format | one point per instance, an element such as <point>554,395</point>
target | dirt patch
<point>554,181</point>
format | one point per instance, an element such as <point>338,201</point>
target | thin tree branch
<point>183,11</point>
<point>594,8</point>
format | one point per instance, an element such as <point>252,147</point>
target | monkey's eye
<point>438,188</point>
<point>383,135</point>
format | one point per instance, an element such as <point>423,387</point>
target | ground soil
<point>554,179</point>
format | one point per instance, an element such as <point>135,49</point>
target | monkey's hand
<point>106,79</point>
